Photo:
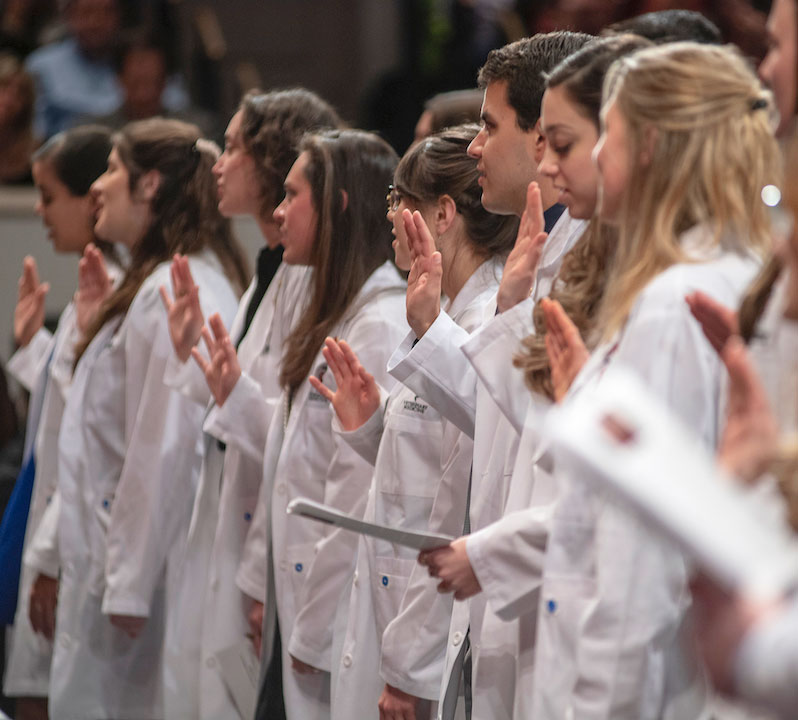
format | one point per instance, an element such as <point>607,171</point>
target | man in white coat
<point>509,149</point>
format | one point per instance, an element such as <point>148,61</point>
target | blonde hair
<point>706,124</point>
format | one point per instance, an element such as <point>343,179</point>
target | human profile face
<point>296,216</point>
<point>69,218</point>
<point>121,217</point>
<point>779,68</point>
<point>612,159</point>
<point>504,152</point>
<point>567,159</point>
<point>236,181</point>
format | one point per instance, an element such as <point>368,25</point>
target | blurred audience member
<point>739,21</point>
<point>22,22</point>
<point>76,76</point>
<point>143,73</point>
<point>669,26</point>
<point>16,119</point>
<point>447,110</point>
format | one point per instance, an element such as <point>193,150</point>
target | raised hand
<point>520,269</point>
<point>185,315</point>
<point>564,346</point>
<point>750,438</point>
<point>790,256</point>
<point>395,704</point>
<point>94,286</point>
<point>222,369</point>
<point>717,321</point>
<point>356,396</point>
<point>43,601</point>
<point>131,625</point>
<point>451,565</point>
<point>721,620</point>
<point>29,312</point>
<point>426,271</point>
<point>255,619</point>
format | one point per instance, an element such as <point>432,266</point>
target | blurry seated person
<point>143,74</point>
<point>16,118</point>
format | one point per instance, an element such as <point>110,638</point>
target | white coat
<point>613,600</point>
<point>311,563</point>
<point>28,664</point>
<point>129,457</point>
<point>209,612</point>
<point>418,451</point>
<point>44,367</point>
<point>438,370</point>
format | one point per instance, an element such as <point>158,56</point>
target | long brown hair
<point>348,171</point>
<point>185,216</point>
<point>581,280</point>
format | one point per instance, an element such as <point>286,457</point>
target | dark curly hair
<point>522,65</point>
<point>272,124</point>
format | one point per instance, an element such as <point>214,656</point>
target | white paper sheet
<point>324,513</point>
<point>622,439</point>
<point>239,668</point>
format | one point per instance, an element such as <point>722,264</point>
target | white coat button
<point>457,638</point>
<point>283,565</point>
<point>281,489</point>
<point>347,660</point>
<point>211,662</point>
<point>354,580</point>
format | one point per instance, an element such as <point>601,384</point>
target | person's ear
<point>540,142</point>
<point>445,211</point>
<point>344,200</point>
<point>148,185</point>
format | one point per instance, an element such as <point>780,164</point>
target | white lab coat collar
<point>484,277</point>
<point>563,236</point>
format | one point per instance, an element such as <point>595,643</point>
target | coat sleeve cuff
<point>27,363</point>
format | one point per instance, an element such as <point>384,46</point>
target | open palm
<point>356,395</point>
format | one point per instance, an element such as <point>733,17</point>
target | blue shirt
<point>70,85</point>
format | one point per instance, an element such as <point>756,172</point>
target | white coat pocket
<point>415,447</point>
<point>102,518</point>
<point>563,602</point>
<point>388,587</point>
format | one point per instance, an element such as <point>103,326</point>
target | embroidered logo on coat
<point>415,406</point>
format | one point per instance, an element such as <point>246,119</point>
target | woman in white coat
<point>332,220</point>
<point>678,169</point>
<point>130,447</point>
<point>210,612</point>
<point>63,170</point>
<point>413,448</point>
